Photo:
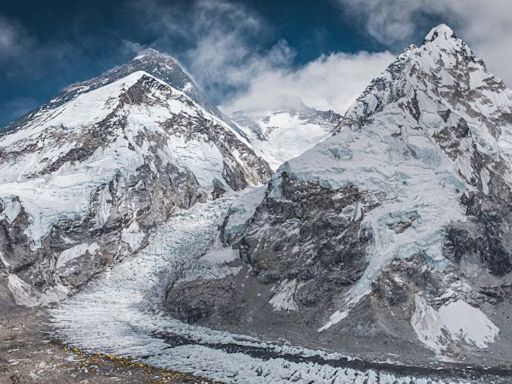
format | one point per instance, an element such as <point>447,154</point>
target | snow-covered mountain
<point>286,130</point>
<point>84,177</point>
<point>390,239</point>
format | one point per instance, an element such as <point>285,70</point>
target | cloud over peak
<point>229,55</point>
<point>485,25</point>
<point>330,82</point>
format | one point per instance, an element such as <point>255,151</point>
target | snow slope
<point>381,149</point>
<point>361,246</point>
<point>93,170</point>
<point>286,131</point>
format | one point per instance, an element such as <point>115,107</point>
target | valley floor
<point>28,355</point>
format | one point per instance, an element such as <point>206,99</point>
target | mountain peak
<point>153,62</point>
<point>442,31</point>
<point>137,141</point>
<point>153,54</point>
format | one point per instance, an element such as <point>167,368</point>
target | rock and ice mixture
<point>120,313</point>
<point>390,238</point>
<point>380,255</point>
<point>84,177</point>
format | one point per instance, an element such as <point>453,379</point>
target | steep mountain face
<point>86,176</point>
<point>158,65</point>
<point>286,131</point>
<point>390,239</point>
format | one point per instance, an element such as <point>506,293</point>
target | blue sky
<point>238,51</point>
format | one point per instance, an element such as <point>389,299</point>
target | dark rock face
<point>211,300</point>
<point>14,241</point>
<point>487,239</point>
<point>398,283</point>
<point>318,229</point>
<point>308,244</point>
<point>449,138</point>
<point>489,243</point>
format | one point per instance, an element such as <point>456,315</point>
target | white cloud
<point>329,82</point>
<point>22,54</point>
<point>224,52</point>
<point>485,25</point>
<point>13,38</point>
<point>219,41</point>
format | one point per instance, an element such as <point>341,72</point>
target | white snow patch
<point>243,209</point>
<point>201,157</point>
<point>283,299</point>
<point>220,256</point>
<point>467,323</point>
<point>104,205</point>
<point>75,252</point>
<point>455,322</point>
<point>133,235</point>
<point>11,208</point>
<point>485,177</point>
<point>428,326</point>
